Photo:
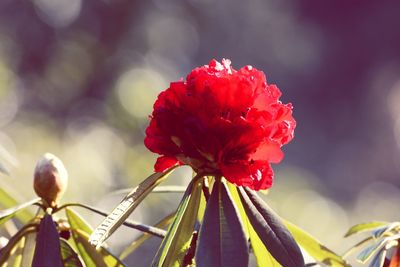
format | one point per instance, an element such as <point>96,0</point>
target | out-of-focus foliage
<point>78,78</point>
<point>381,247</point>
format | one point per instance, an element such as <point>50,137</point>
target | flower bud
<point>50,179</point>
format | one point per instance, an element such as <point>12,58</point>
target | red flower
<point>222,122</point>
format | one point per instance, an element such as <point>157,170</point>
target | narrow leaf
<point>126,207</point>
<point>145,236</point>
<point>9,202</point>
<point>91,256</point>
<point>179,236</point>
<point>16,253</point>
<point>77,222</point>
<point>263,257</point>
<point>69,256</point>
<point>80,234</point>
<point>367,253</point>
<point>222,239</point>
<point>47,250</point>
<point>314,248</point>
<point>29,249</point>
<point>202,205</point>
<point>7,214</point>
<point>5,252</point>
<point>385,229</point>
<point>362,227</point>
<point>128,223</point>
<point>379,258</point>
<point>271,230</point>
<point>158,189</point>
<point>163,249</point>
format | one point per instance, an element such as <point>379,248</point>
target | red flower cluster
<point>222,122</point>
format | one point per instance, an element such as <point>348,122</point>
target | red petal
<point>157,141</point>
<point>239,139</point>
<point>266,98</point>
<point>164,163</point>
<point>257,176</point>
<point>268,151</point>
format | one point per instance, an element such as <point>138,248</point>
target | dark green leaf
<point>263,257</point>
<point>174,246</point>
<point>314,248</point>
<point>69,256</point>
<point>47,250</point>
<point>126,207</point>
<point>271,230</point>
<point>145,236</point>
<point>362,227</point>
<point>222,239</point>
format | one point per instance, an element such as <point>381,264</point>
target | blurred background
<point>78,79</point>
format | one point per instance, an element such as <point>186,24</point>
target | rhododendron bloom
<point>222,122</point>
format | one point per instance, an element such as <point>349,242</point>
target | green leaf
<point>69,256</point>
<point>263,257</point>
<point>202,204</point>
<point>271,230</point>
<point>128,223</point>
<point>379,258</point>
<point>7,214</point>
<point>314,248</point>
<point>236,199</point>
<point>387,242</point>
<point>360,243</point>
<point>174,246</point>
<point>24,231</point>
<point>13,209</point>
<point>145,236</point>
<point>362,227</point>
<point>16,253</point>
<point>77,222</point>
<point>91,256</point>
<point>47,250</point>
<point>385,229</point>
<point>222,239</point>
<point>158,189</point>
<point>29,249</point>
<point>126,207</point>
<point>80,234</point>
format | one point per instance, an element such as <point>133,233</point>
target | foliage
<point>219,224</point>
<point>381,246</point>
